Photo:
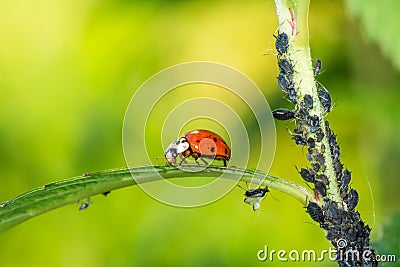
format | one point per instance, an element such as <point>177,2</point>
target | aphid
<point>320,135</point>
<point>315,166</point>
<point>320,159</point>
<point>333,213</point>
<point>320,188</point>
<point>198,144</point>
<point>345,180</point>
<point>325,99</point>
<point>315,212</point>
<point>323,179</point>
<point>308,101</point>
<point>282,43</point>
<point>352,234</point>
<point>84,204</point>
<point>313,123</point>
<point>317,67</point>
<point>298,131</point>
<point>283,114</point>
<point>303,114</point>
<point>284,83</point>
<point>292,94</point>
<point>311,142</point>
<point>255,196</point>
<point>307,175</point>
<point>106,193</point>
<point>300,140</point>
<point>352,199</point>
<point>322,148</point>
<point>285,66</point>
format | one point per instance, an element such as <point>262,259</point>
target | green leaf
<point>380,24</point>
<point>60,193</point>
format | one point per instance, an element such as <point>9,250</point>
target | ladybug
<point>198,144</point>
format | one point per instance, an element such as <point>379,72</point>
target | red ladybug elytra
<point>198,144</point>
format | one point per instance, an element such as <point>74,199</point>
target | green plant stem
<point>299,54</point>
<point>60,193</point>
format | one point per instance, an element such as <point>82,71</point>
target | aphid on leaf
<point>84,204</point>
<point>255,196</point>
<point>285,82</point>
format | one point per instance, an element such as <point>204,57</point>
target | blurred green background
<point>68,69</point>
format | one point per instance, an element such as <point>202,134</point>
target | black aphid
<point>323,179</point>
<point>313,123</point>
<point>320,159</point>
<point>316,166</point>
<point>255,196</point>
<point>311,142</point>
<point>284,82</point>
<point>307,175</point>
<point>352,199</point>
<point>282,43</point>
<point>300,140</point>
<point>345,180</point>
<point>317,67</point>
<point>320,188</point>
<point>325,99</point>
<point>320,135</point>
<point>308,101</point>
<point>315,212</point>
<point>285,66</point>
<point>292,94</point>
<point>283,114</point>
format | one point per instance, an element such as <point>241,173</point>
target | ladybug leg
<point>183,159</point>
<point>224,162</point>
<point>204,161</point>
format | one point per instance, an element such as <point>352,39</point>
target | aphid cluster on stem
<point>333,206</point>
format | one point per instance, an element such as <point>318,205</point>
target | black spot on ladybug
<point>226,151</point>
<point>212,149</point>
<point>197,141</point>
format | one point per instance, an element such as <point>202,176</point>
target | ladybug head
<point>175,149</point>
